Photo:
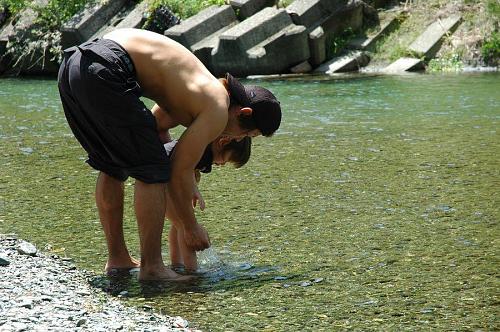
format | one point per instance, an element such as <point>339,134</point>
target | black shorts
<point>100,96</point>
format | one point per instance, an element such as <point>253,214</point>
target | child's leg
<point>175,250</point>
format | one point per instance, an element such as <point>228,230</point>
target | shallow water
<point>375,207</point>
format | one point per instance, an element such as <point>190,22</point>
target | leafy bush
<point>186,8</point>
<point>491,49</point>
<point>14,6</point>
<point>337,43</point>
<point>450,63</point>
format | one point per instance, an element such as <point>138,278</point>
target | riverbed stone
<point>26,248</point>
<point>429,42</point>
<point>88,21</point>
<point>247,8</point>
<point>26,306</point>
<point>4,262</point>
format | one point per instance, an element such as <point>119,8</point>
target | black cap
<point>266,109</point>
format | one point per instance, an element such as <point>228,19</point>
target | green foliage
<point>38,45</point>
<point>14,6</point>
<point>491,49</point>
<point>283,3</point>
<point>400,51</point>
<point>52,16</point>
<point>450,63</point>
<point>186,8</point>
<point>493,8</point>
<point>338,42</point>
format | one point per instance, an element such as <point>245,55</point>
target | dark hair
<point>240,151</point>
<point>266,109</point>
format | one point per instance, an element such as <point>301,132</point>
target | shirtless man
<point>100,83</point>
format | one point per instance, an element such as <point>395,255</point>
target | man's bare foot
<point>117,266</point>
<point>164,274</point>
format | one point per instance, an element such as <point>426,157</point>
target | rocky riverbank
<point>39,292</point>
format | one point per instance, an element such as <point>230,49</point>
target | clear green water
<point>376,207</point>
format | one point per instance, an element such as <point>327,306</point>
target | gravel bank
<point>46,293</point>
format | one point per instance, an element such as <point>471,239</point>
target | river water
<point>375,207</point>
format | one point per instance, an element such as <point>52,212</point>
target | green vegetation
<point>451,63</point>
<point>186,8</point>
<point>339,42</point>
<point>493,7</point>
<point>491,49</point>
<point>14,6</point>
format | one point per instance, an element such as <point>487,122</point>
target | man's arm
<point>188,151</point>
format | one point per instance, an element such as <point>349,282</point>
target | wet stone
<point>26,248</point>
<point>4,262</point>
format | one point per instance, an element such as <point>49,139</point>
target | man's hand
<point>196,237</point>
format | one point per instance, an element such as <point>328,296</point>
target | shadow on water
<point>212,275</point>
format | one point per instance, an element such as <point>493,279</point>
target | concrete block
<point>202,25</point>
<point>317,46</point>
<point>129,16</point>
<point>429,42</point>
<point>387,25</point>
<point>346,63</point>
<point>270,57</point>
<point>347,17</point>
<point>307,12</point>
<point>203,49</point>
<point>266,43</point>
<point>253,30</point>
<point>404,64</point>
<point>85,24</point>
<point>247,8</point>
<point>301,68</point>
<point>136,17</point>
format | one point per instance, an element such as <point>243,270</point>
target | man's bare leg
<point>149,200</point>
<point>109,201</point>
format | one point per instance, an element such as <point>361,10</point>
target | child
<point>218,152</point>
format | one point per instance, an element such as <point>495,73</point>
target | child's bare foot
<point>164,274</point>
<point>120,266</point>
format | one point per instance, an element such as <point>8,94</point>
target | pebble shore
<point>40,292</point>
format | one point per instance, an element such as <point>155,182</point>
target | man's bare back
<point>172,76</point>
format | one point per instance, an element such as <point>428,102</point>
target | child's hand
<point>197,197</point>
